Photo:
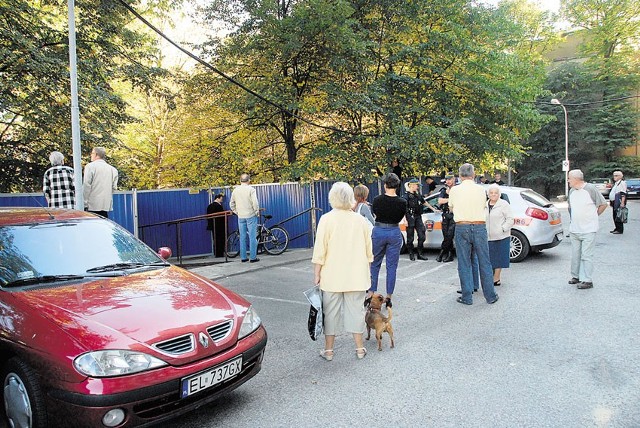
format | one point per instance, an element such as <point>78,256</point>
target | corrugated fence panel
<point>157,206</point>
<point>123,210</point>
<point>284,201</point>
<point>22,200</point>
<point>321,189</point>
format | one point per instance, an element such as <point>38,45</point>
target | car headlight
<point>250,323</point>
<point>115,362</point>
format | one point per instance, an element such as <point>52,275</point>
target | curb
<point>233,268</point>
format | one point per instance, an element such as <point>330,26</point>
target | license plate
<point>632,193</point>
<point>210,377</point>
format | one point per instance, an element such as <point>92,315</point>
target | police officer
<point>448,225</point>
<point>415,201</point>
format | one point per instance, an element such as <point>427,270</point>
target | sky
<point>551,5</point>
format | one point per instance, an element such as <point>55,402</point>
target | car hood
<point>138,310</point>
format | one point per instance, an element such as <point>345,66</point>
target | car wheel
<point>23,397</point>
<point>519,247</point>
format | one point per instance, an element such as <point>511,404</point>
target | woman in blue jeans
<point>389,209</point>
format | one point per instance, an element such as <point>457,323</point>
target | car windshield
<point>535,198</point>
<point>69,250</point>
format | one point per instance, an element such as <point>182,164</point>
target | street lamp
<point>565,163</point>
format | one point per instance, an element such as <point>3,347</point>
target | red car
<point>99,330</point>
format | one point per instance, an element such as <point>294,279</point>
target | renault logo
<point>203,339</point>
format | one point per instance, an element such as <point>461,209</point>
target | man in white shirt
<point>244,203</point>
<point>100,181</point>
<point>618,199</point>
<point>586,203</point>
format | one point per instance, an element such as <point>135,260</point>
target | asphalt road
<point>545,355</point>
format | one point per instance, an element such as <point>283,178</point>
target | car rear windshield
<point>600,180</point>
<point>535,198</point>
<point>69,248</point>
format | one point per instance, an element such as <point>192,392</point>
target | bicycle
<point>274,240</point>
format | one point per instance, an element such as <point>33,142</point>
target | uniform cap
<point>449,175</point>
<point>413,181</point>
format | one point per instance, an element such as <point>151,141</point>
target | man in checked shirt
<point>57,184</point>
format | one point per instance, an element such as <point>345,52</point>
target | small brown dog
<point>375,320</point>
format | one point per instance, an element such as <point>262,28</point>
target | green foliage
<point>629,165</point>
<point>433,86</point>
<point>35,87</point>
<point>597,130</point>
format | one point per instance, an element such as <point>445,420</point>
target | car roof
<point>12,216</point>
<point>505,188</point>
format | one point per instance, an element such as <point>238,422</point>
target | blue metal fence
<point>143,208</point>
<point>122,213</point>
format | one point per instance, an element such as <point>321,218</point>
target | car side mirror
<point>164,252</point>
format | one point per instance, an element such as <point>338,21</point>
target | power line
<point>232,80</point>
<point>590,102</point>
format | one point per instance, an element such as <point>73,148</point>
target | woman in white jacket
<point>499,223</point>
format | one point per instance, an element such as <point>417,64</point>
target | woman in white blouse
<point>499,222</point>
<point>341,257</point>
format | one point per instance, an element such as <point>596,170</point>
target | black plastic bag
<point>314,322</point>
<point>622,215</point>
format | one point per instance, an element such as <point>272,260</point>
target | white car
<point>603,185</point>
<point>537,226</point>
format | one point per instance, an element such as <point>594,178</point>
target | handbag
<point>315,319</point>
<point>622,215</point>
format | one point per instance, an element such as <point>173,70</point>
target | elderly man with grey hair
<point>57,184</point>
<point>100,181</point>
<point>618,199</point>
<point>586,203</point>
<point>467,201</point>
<point>244,204</point>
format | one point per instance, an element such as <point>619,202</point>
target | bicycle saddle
<point>268,216</point>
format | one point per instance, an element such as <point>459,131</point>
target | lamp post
<point>565,164</point>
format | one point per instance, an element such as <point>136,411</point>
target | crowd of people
<point>348,252</point>
<point>354,238</point>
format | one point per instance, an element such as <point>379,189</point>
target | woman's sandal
<point>327,354</point>
<point>361,352</point>
<point>497,283</point>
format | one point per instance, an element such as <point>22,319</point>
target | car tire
<point>24,403</point>
<point>519,247</point>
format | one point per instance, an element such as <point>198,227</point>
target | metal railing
<point>178,224</point>
<point>310,232</point>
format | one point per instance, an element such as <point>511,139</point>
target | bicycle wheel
<point>276,240</point>
<point>233,244</point>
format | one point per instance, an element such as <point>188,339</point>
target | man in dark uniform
<point>415,201</point>
<point>216,225</point>
<point>448,225</point>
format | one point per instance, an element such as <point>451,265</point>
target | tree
<point>595,92</point>
<point>434,86</point>
<point>34,81</point>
